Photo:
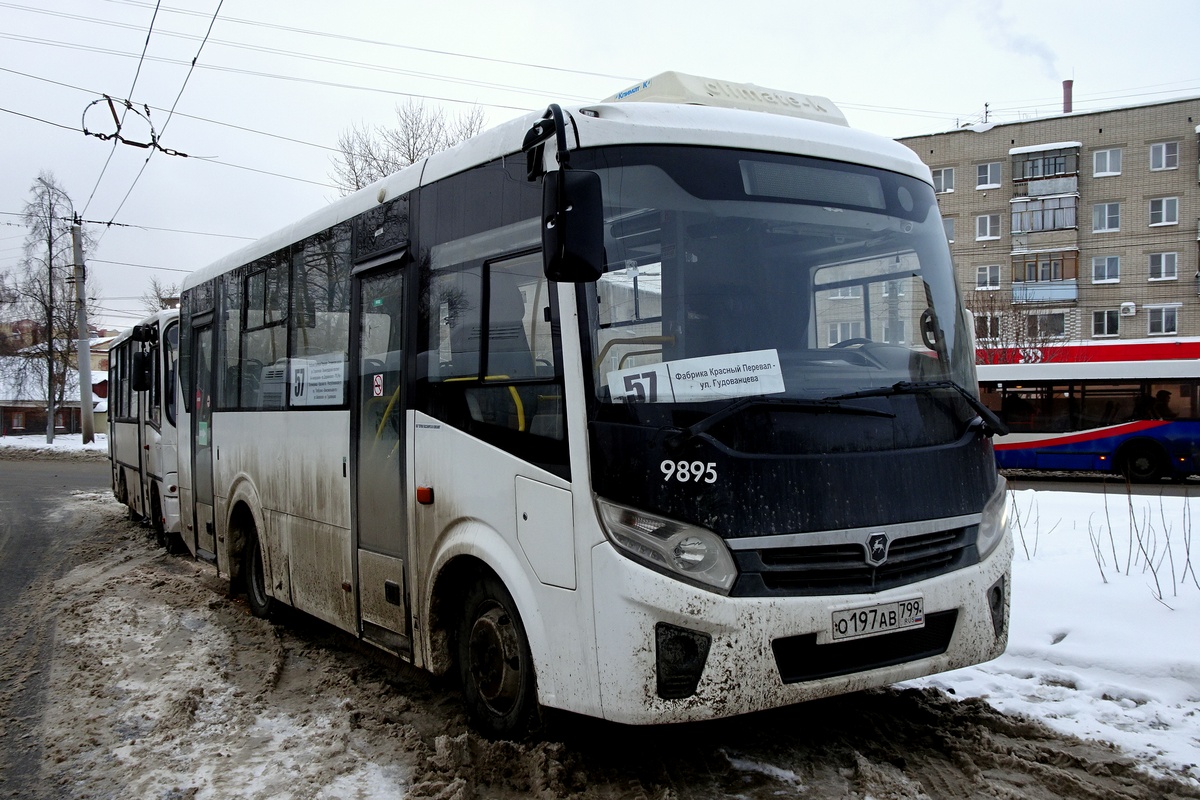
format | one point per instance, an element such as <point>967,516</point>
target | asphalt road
<point>37,534</point>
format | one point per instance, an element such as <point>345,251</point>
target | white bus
<point>142,436</point>
<point>649,410</point>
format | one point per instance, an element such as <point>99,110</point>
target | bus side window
<point>491,362</point>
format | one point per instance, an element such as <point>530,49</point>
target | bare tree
<point>39,291</point>
<point>1007,332</point>
<point>159,295</point>
<point>369,153</point>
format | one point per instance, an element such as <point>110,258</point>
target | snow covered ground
<point>1105,622</point>
<point>68,444</point>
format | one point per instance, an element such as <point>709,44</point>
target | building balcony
<point>1064,291</point>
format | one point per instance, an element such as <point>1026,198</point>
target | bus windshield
<point>737,274</point>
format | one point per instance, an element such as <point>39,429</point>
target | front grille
<point>800,658</point>
<point>822,569</point>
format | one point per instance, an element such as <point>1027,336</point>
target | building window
<point>1106,269</point>
<point>1164,211</point>
<point>845,293</point>
<point>1106,217</point>
<point>893,288</point>
<point>987,227</point>
<point>1106,322</point>
<point>943,180</point>
<point>987,176</point>
<point>18,421</point>
<point>987,277</point>
<point>843,331</point>
<point>1106,163</point>
<point>1045,164</point>
<point>1049,214</point>
<point>987,326</point>
<point>1164,155</point>
<point>1040,267</point>
<point>893,331</point>
<point>1163,320</point>
<point>948,224</point>
<point>1046,326</point>
<point>1163,266</point>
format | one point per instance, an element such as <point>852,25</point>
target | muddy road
<point>137,676</point>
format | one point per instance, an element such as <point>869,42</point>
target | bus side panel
<point>297,465</point>
<point>474,513</point>
<point>1092,450</point>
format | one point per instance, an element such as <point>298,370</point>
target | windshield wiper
<point>992,424</point>
<point>829,405</point>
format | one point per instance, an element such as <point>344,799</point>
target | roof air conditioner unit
<point>1128,309</point>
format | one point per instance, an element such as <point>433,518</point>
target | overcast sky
<point>278,80</point>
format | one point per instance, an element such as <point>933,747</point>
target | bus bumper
<point>768,652</point>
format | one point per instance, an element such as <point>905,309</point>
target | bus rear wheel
<point>1143,462</point>
<point>254,571</point>
<point>156,519</point>
<point>495,665</point>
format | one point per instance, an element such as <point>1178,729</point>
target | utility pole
<point>83,350</point>
<point>49,313</point>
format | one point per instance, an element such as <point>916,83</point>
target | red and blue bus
<point>1136,418</point>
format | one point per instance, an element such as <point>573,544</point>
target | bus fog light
<point>679,658</point>
<point>997,604</point>
<point>993,527</point>
<point>692,553</point>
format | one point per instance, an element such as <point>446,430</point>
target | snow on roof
<point>24,380</point>
<point>1037,148</point>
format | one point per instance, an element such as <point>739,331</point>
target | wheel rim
<point>494,659</point>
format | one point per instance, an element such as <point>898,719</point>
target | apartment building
<point>1076,231</point>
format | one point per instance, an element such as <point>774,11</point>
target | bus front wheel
<point>495,664</point>
<point>1143,462</point>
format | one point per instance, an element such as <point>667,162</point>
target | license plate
<point>852,623</point>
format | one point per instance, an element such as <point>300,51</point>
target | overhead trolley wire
<point>159,108</point>
<point>381,43</point>
<point>163,130</point>
<point>137,73</point>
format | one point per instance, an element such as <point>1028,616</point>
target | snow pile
<point>65,445</point>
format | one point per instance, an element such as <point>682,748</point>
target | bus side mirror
<point>572,226</point>
<point>143,372</point>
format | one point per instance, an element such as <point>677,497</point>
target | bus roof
<point>619,123</point>
<point>161,317</point>
<point>678,87</point>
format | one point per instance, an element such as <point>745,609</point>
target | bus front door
<point>380,513</point>
<point>202,448</point>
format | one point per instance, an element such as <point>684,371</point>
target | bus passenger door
<point>380,513</point>
<point>202,449</point>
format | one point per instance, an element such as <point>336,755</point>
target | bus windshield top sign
<point>698,379</point>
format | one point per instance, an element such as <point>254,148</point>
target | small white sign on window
<point>318,383</point>
<point>698,379</point>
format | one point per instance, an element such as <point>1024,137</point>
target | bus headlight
<point>994,525</point>
<point>694,554</point>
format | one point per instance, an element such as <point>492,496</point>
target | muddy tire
<point>156,519</point>
<point>254,574</point>
<point>1143,462</point>
<point>498,682</point>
